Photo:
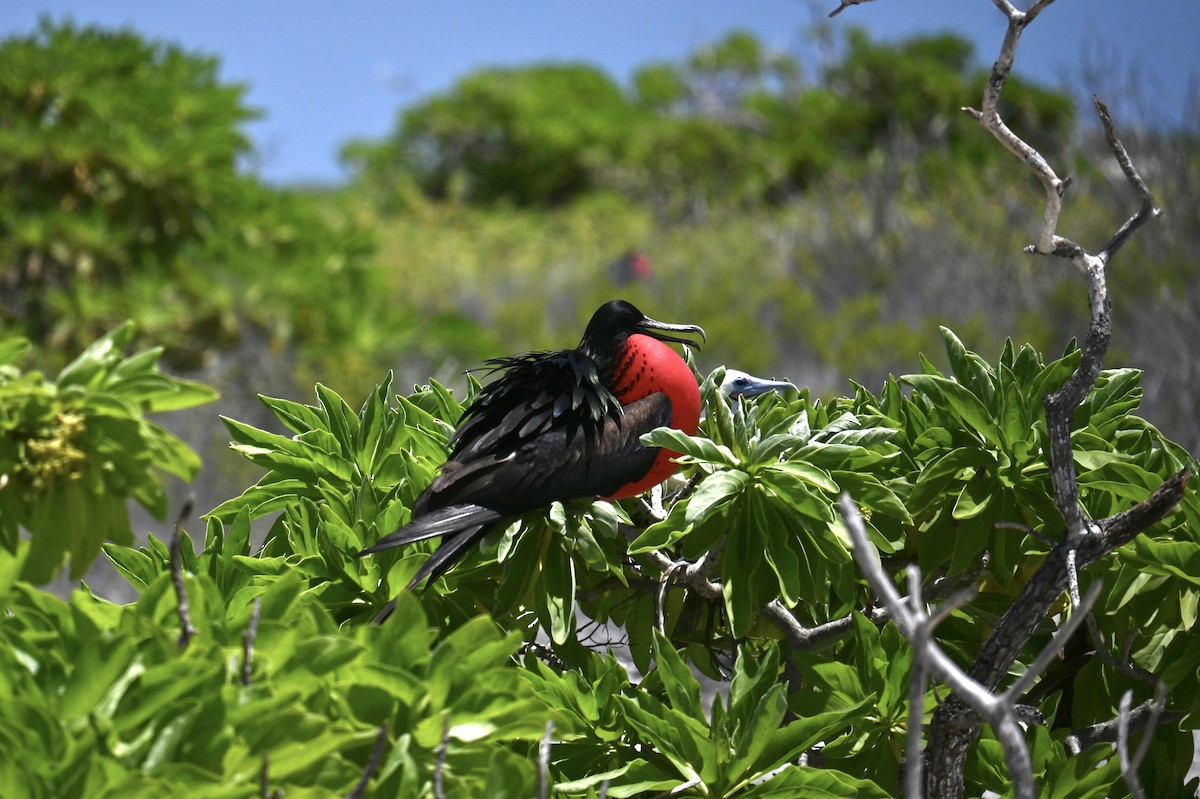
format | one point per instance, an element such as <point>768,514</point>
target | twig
<point>1131,764</point>
<point>439,788</point>
<point>543,778</point>
<point>989,117</point>
<point>1148,211</point>
<point>664,582</point>
<point>1141,717</point>
<point>846,4</point>
<point>248,639</point>
<point>678,789</point>
<point>952,730</point>
<point>372,766</point>
<point>918,681</point>
<point>801,637</point>
<point>186,630</point>
<point>917,625</point>
<point>264,780</point>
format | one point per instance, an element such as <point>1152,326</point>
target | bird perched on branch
<point>557,426</point>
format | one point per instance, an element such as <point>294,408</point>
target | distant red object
<point>630,267</point>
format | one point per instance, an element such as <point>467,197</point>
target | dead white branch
<point>917,625</point>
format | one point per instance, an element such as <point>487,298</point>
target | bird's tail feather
<point>450,550</point>
<point>461,526</point>
<point>454,519</point>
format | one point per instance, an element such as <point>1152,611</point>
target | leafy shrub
<point>74,449</point>
<point>949,472</point>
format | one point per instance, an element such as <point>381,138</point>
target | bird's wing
<point>538,393</point>
<point>554,462</point>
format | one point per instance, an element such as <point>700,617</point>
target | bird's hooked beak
<point>739,384</point>
<point>666,332</point>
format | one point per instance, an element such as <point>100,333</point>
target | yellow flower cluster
<point>55,459</point>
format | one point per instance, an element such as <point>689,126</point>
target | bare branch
<point>543,779</point>
<point>439,787</point>
<point>1148,211</point>
<point>186,630</point>
<point>1055,648</point>
<point>917,624</point>
<point>360,788</point>
<point>664,582</point>
<point>1138,718</point>
<point>989,117</point>
<point>249,638</point>
<point>1084,541</point>
<point>264,777</point>
<point>801,637</point>
<point>1131,764</point>
<point>846,4</point>
<point>914,742</point>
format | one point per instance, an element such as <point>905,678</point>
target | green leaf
<point>297,417</point>
<point>683,690</point>
<point>807,473</point>
<point>12,350</point>
<point>784,745</point>
<point>681,738</point>
<point>343,421</point>
<point>557,592</point>
<point>975,497</point>
<point>1178,558</point>
<point>815,783</point>
<point>697,448</point>
<point>665,533</point>
<point>634,778</point>
<point>713,493</point>
<point>973,415</point>
<point>96,667</point>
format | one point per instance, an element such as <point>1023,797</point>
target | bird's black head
<point>614,322</point>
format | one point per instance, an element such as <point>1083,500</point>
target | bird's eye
<point>741,382</point>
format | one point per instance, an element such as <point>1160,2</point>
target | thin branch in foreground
<point>543,776</point>
<point>1131,764</point>
<point>439,786</point>
<point>1148,210</point>
<point>1138,718</point>
<point>248,639</point>
<point>264,781</point>
<point>846,4</point>
<point>916,624</point>
<point>186,630</point>
<point>360,788</point>
<point>801,637</point>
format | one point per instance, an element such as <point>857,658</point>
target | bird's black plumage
<point>549,428</point>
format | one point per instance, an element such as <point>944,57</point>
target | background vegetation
<point>820,226</point>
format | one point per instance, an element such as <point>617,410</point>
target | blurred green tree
<point>115,155</point>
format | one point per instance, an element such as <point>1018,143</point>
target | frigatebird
<point>741,384</point>
<point>557,426</point>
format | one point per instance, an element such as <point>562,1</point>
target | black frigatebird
<point>557,426</point>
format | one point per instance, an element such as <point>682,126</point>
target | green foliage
<point>120,196</point>
<point>74,449</point>
<point>123,196</point>
<point>731,124</point>
<point>945,471</point>
<point>526,135</point>
<point>99,701</point>
<point>98,182</point>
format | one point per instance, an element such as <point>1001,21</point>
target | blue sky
<point>325,72</point>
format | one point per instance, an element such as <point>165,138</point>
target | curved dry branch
<point>917,625</point>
